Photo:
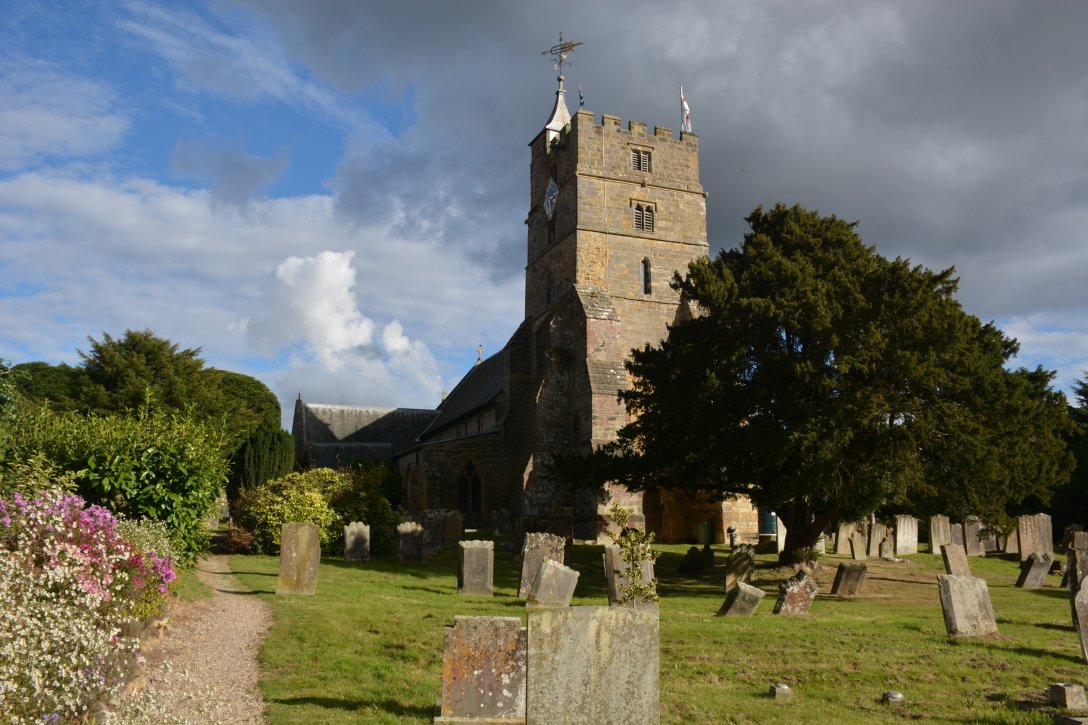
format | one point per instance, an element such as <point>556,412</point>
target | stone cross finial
<point>479,354</point>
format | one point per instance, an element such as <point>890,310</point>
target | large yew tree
<point>824,380</point>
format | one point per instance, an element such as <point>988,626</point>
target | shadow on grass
<point>1057,627</point>
<point>333,703</point>
<point>245,594</point>
<point>1045,653</point>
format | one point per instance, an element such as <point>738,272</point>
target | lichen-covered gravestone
<point>1033,571</point>
<point>615,569</point>
<point>842,538</point>
<point>940,533</point>
<point>476,568</point>
<point>554,585</point>
<point>483,671</point>
<point>887,549</point>
<point>741,600</point>
<point>877,533</point>
<point>537,548</point>
<point>796,594</point>
<point>848,579</point>
<point>300,556</point>
<point>740,566</point>
<point>593,665</point>
<point>409,543</point>
<point>968,611</point>
<point>357,541</point>
<point>858,546</point>
<point>972,543</point>
<point>906,535</point>
<point>955,560</point>
<point>1034,534</point>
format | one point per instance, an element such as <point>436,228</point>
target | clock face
<point>549,198</point>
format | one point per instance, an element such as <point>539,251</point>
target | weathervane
<point>559,53</point>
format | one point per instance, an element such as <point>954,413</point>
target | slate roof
<point>481,385</point>
<point>369,428</point>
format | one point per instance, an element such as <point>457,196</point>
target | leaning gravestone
<point>476,568</point>
<point>1033,571</point>
<point>971,541</point>
<point>796,594</point>
<point>409,543</point>
<point>452,526</point>
<point>357,542</point>
<point>887,549</point>
<point>1034,535</point>
<point>483,671</point>
<point>842,538</point>
<point>1080,620</point>
<point>940,533</point>
<point>858,546</point>
<point>537,548</point>
<point>554,585</point>
<point>906,535</point>
<point>300,556</point>
<point>968,611</point>
<point>740,566</point>
<point>877,533</point>
<point>741,600</point>
<point>848,579</point>
<point>955,560</point>
<point>615,569</point>
<point>593,665</point>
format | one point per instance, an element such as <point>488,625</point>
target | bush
<point>159,465</point>
<point>364,499</point>
<point>294,497</point>
<point>69,582</point>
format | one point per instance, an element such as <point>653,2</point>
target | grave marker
<point>300,556</point>
<point>877,533</point>
<point>409,543</point>
<point>848,579</point>
<point>452,527</point>
<point>357,541</point>
<point>554,585</point>
<point>614,573</point>
<point>858,546</point>
<point>1033,571</point>
<point>1034,535</point>
<point>796,594</point>
<point>955,560</point>
<point>906,535</point>
<point>741,600</point>
<point>483,670</point>
<point>887,549</point>
<point>1080,620</point>
<point>842,537</point>
<point>537,548</point>
<point>968,611</point>
<point>432,521</point>
<point>971,541</point>
<point>940,533</point>
<point>476,568</point>
<point>740,566</point>
<point>957,536</point>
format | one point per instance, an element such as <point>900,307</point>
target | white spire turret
<point>560,115</point>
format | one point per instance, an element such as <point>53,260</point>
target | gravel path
<point>204,669</point>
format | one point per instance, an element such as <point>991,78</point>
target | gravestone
<point>740,566</point>
<point>452,527</point>
<point>637,522</point>
<point>940,533</point>
<point>955,560</point>
<point>1012,542</point>
<point>1075,537</point>
<point>991,543</point>
<point>1033,571</point>
<point>1080,620</point>
<point>554,585</point>
<point>858,546</point>
<point>741,600</point>
<point>906,535</point>
<point>887,549</point>
<point>409,543</point>
<point>538,548</point>
<point>971,541</point>
<point>848,579</point>
<point>502,522</point>
<point>433,521</point>
<point>300,556</point>
<point>968,611</point>
<point>357,541</point>
<point>693,562</point>
<point>1076,569</point>
<point>842,538</point>
<point>820,547</point>
<point>593,665</point>
<point>877,533</point>
<point>483,670</point>
<point>615,569</point>
<point>561,523</point>
<point>1070,697</point>
<point>796,594</point>
<point>1034,535</point>
<point>476,568</point>
<point>957,536</point>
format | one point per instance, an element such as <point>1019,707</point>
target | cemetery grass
<point>368,647</point>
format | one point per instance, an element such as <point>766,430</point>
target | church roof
<point>596,302</point>
<point>480,386</point>
<point>340,427</point>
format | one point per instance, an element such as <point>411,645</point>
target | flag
<point>581,98</point>
<point>685,113</point>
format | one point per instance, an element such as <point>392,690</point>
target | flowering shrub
<point>69,582</point>
<point>294,497</point>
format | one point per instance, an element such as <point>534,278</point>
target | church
<point>613,212</point>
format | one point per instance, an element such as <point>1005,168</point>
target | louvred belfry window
<point>640,160</point>
<point>644,217</point>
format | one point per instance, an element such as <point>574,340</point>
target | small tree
<point>635,548</point>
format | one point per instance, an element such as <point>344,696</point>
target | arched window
<point>647,281</point>
<point>469,491</point>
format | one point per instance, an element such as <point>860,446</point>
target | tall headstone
<point>433,522</point>
<point>1012,542</point>
<point>409,543</point>
<point>740,566</point>
<point>968,611</point>
<point>796,594</point>
<point>476,568</point>
<point>1075,537</point>
<point>906,535</point>
<point>554,585</point>
<point>1033,571</point>
<point>300,556</point>
<point>955,560</point>
<point>859,546</point>
<point>452,528</point>
<point>940,533</point>
<point>593,665</point>
<point>357,541</point>
<point>741,600</point>
<point>1076,570</point>
<point>887,549</point>
<point>615,569</point>
<point>957,536</point>
<point>483,670</point>
<point>972,542</point>
<point>842,538</point>
<point>877,533</point>
<point>848,579</point>
<point>537,548</point>
<point>1035,535</point>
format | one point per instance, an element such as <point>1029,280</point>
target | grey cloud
<point>235,177</point>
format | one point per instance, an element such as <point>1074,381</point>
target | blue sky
<point>330,196</point>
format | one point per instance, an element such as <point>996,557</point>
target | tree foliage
<point>823,380</point>
<point>266,453</point>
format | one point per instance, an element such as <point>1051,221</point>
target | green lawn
<point>368,647</point>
